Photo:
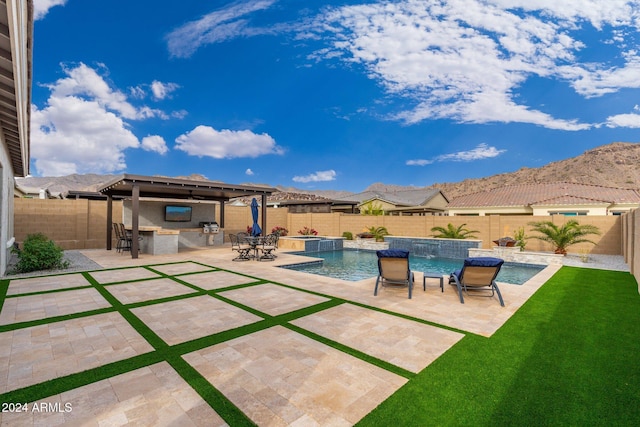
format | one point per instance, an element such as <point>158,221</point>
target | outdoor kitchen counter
<point>158,240</point>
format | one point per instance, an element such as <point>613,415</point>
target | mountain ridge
<point>610,165</point>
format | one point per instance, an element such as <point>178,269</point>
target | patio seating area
<point>181,339</point>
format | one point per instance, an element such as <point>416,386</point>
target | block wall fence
<point>81,224</point>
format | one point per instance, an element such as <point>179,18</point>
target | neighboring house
<point>557,198</point>
<point>294,202</point>
<point>405,202</point>
<point>35,193</point>
<point>16,41</point>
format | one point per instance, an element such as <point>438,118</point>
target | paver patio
<point>271,368</point>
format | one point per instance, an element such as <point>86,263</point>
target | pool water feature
<point>354,265</point>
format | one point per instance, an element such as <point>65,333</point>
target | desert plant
<point>39,253</point>
<point>347,235</point>
<point>453,232</point>
<point>521,238</point>
<point>306,231</point>
<point>565,235</point>
<point>371,208</point>
<point>377,232</point>
<point>280,231</point>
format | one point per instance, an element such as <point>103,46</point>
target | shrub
<point>280,231</point>
<point>306,231</point>
<point>521,238</point>
<point>565,235</point>
<point>371,208</point>
<point>347,235</point>
<point>39,253</point>
<point>453,232</point>
<point>377,232</point>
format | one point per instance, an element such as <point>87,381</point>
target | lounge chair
<point>393,269</point>
<point>241,247</point>
<point>478,274</point>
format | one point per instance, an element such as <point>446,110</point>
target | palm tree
<point>569,233</point>
<point>451,232</point>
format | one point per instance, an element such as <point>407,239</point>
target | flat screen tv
<point>174,213</point>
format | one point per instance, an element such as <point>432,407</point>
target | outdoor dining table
<point>254,242</point>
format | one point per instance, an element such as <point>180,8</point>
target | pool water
<point>354,265</point>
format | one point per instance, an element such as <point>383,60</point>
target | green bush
<point>39,253</point>
<point>347,235</point>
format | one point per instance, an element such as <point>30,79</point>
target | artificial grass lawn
<point>569,356</point>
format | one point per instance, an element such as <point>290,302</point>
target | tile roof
<point>546,193</point>
<point>404,198</point>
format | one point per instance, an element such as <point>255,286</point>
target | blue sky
<point>330,95</point>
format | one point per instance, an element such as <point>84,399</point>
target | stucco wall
<point>631,242</point>
<point>152,213</point>
<point>6,208</point>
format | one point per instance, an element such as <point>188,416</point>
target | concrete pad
<point>46,283</point>
<point>129,293</point>
<point>42,306</point>
<point>40,353</point>
<point>187,319</point>
<point>273,299</point>
<point>123,275</point>
<point>402,342</point>
<point>216,279</point>
<point>151,396</point>
<point>278,377</point>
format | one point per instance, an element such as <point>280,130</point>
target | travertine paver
<point>187,319</point>
<point>123,275</point>
<point>151,396</point>
<point>40,353</point>
<point>181,268</point>
<point>216,279</point>
<point>46,283</point>
<point>273,299</point>
<point>402,342</point>
<point>278,377</point>
<point>128,293</point>
<point>41,306</point>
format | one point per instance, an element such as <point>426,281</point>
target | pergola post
<point>264,214</point>
<point>222,214</point>
<point>135,220</point>
<point>109,221</point>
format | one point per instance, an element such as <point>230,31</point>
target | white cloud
<point>83,127</point>
<point>84,81</point>
<point>41,7</point>
<point>248,172</point>
<point>73,135</point>
<point>624,120</point>
<point>419,162</point>
<point>482,151</point>
<point>466,59</point>
<point>329,175</point>
<point>226,144</point>
<point>154,143</point>
<point>462,60</point>
<point>162,90</point>
<point>223,24</point>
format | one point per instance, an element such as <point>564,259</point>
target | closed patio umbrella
<point>255,228</point>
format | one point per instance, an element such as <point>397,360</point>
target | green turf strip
<point>567,357</point>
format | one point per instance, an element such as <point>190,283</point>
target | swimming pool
<point>354,265</point>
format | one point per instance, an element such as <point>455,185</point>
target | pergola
<point>137,186</point>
